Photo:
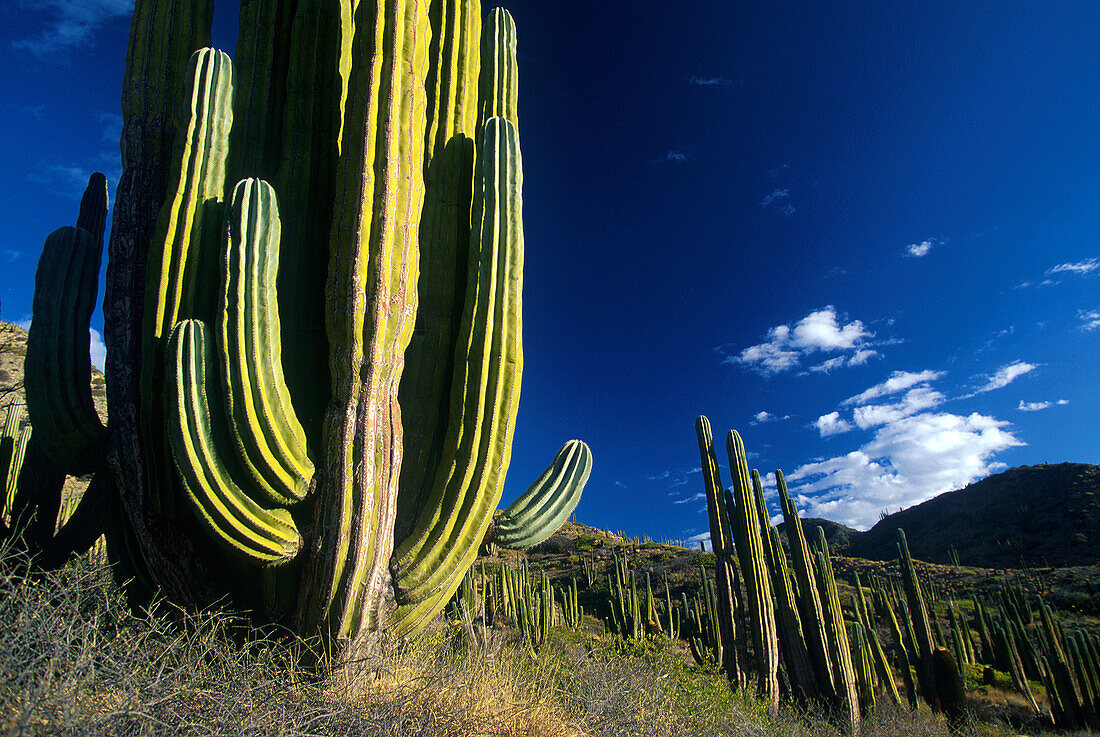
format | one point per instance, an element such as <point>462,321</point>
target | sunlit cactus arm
<point>237,522</point>
<point>184,254</point>
<point>548,502</point>
<point>457,512</point>
<point>58,368</point>
<point>499,77</point>
<point>847,695</point>
<point>14,463</point>
<point>809,601</point>
<point>270,442</point>
<point>750,553</point>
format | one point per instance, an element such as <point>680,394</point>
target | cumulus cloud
<point>908,461</point>
<point>899,381</point>
<point>918,250</point>
<point>702,537</point>
<point>1036,406</point>
<point>98,349</point>
<point>67,24</point>
<point>831,424</point>
<point>915,400</point>
<point>763,416</point>
<point>786,345</point>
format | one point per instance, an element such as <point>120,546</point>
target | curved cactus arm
<point>237,522</point>
<point>455,515</point>
<point>548,502</point>
<point>58,368</point>
<point>184,249</point>
<point>7,442</point>
<point>270,442</point>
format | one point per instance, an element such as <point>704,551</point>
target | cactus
<point>726,589</point>
<point>271,436</point>
<point>13,448</point>
<point>922,653</point>
<point>548,502</point>
<point>750,554</point>
<point>840,654</point>
<point>796,657</point>
<point>809,601</point>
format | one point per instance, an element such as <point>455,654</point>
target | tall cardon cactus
<point>313,313</point>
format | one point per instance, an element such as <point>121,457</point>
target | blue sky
<point>865,237</point>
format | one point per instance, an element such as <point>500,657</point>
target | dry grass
<point>75,661</point>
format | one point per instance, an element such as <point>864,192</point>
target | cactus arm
<point>840,652</point>
<point>179,261</point>
<point>238,523</point>
<point>93,211</point>
<point>750,553</point>
<point>14,466</point>
<point>445,232</point>
<point>57,366</point>
<point>547,503</point>
<point>813,618</point>
<point>457,512</point>
<point>499,78</point>
<point>269,439</point>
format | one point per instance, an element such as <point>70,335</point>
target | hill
<point>1045,515</point>
<point>838,536</point>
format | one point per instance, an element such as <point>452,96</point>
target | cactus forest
<point>311,269</point>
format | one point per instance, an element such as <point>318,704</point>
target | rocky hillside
<point>1031,516</point>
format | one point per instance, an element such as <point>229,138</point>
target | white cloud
<point>702,537</point>
<point>1036,406</point>
<point>98,349</point>
<point>917,250</point>
<point>908,461</point>
<point>915,400</point>
<point>1090,319</point>
<point>699,81</point>
<point>818,331</point>
<point>1085,266</point>
<point>69,23</point>
<point>694,498</point>
<point>1004,376</point>
<point>831,424</point>
<point>899,381</point>
<point>775,196</point>
<point>858,358</point>
<point>763,416</point>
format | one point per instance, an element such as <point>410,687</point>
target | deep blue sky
<point>757,211</point>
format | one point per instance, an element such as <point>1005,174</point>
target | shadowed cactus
<point>313,313</point>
